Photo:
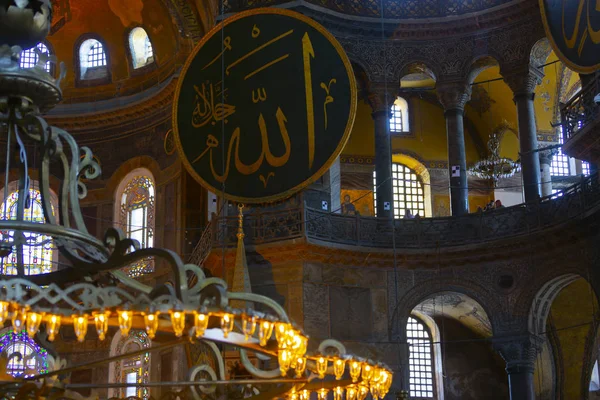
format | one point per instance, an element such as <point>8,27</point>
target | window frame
<point>432,358</point>
<point>398,211</point>
<point>119,370</point>
<point>87,82</point>
<point>51,66</point>
<point>133,71</point>
<point>404,120</point>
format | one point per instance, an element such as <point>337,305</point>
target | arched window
<point>399,119</point>
<point>560,162</point>
<point>421,368</point>
<point>30,57</point>
<point>135,199</point>
<point>140,46</point>
<point>31,358</point>
<point>131,370</point>
<point>92,60</point>
<point>39,256</point>
<point>408,191</point>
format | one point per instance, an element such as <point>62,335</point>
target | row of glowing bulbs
<point>24,318</point>
<point>352,392</point>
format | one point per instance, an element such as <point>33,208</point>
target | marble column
<point>454,96</point>
<point>546,171</point>
<point>523,83</point>
<point>520,353</point>
<point>381,97</point>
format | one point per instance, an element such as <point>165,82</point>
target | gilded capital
<point>381,96</point>
<point>523,81</point>
<point>453,95</point>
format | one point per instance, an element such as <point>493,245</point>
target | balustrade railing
<point>581,110</point>
<point>527,218</point>
<point>372,8</point>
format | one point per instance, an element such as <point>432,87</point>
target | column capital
<point>546,156</point>
<point>523,81</point>
<point>519,351</point>
<point>453,95</point>
<point>381,96</point>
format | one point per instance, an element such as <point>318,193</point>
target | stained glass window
<point>135,369</point>
<point>38,249</point>
<point>421,368</point>
<point>29,57</point>
<point>137,216</point>
<point>399,119</point>
<point>141,48</point>
<point>32,360</point>
<point>408,191</point>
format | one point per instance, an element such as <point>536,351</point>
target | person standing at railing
<point>408,214</point>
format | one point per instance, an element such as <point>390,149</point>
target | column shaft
<point>520,383</point>
<point>530,162</point>
<point>457,157</point>
<point>383,164</point>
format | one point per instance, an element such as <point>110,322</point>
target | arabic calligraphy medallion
<point>573,28</point>
<point>264,105</point>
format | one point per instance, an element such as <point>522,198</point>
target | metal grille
<point>148,46</point>
<point>560,162</point>
<point>96,56</point>
<point>585,168</point>
<point>399,113</point>
<point>407,190</point>
<point>29,58</point>
<point>420,360</point>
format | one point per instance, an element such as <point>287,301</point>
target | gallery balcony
<point>581,124</point>
<point>529,219</point>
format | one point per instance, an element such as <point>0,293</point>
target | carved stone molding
<point>523,81</point>
<point>519,351</point>
<point>547,155</point>
<point>453,95</point>
<point>381,96</point>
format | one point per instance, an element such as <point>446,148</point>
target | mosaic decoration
<point>137,215</point>
<point>267,139</point>
<point>480,100</point>
<point>391,8</point>
<point>32,360</point>
<point>169,143</point>
<point>139,364</point>
<point>37,250</point>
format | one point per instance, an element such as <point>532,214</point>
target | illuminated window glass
<point>38,249</point>
<point>92,60</point>
<point>33,358</point>
<point>421,366</point>
<point>399,119</point>
<point>137,216</point>
<point>408,191</point>
<point>29,57</point>
<point>585,168</point>
<point>141,48</point>
<point>560,162</point>
<point>96,56</point>
<point>135,369</point>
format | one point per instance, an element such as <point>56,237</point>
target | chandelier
<point>92,293</point>
<point>493,167</point>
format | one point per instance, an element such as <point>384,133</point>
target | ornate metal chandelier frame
<point>94,291</point>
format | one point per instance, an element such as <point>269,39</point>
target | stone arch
<point>412,162</point>
<point>478,65</point>
<point>429,288</point>
<point>540,52</point>
<point>421,66</point>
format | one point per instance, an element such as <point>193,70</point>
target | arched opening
<point>135,214</point>
<point>140,47</point>
<point>30,57</point>
<point>22,356</point>
<point>135,369</point>
<point>564,313</point>
<point>93,63</point>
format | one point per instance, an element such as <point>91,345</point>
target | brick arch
<point>124,169</point>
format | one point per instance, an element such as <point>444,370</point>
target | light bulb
<point>101,322</point>
<point>281,329</point>
<point>4,306</point>
<point>33,323</point>
<point>248,326</point>
<point>227,324</point>
<point>151,322</point>
<point>52,326</point>
<point>322,393</point>
<point>125,321</point>
<point>355,370</point>
<point>351,393</point>
<point>363,392</point>
<point>201,323</point>
<point>178,322</point>
<point>375,391</point>
<point>321,367</point>
<point>367,373</point>
<point>80,323</point>
<point>19,319</point>
<point>305,394</point>
<point>338,368</point>
<point>285,358</point>
<point>264,332</point>
<point>300,367</point>
<point>338,393</point>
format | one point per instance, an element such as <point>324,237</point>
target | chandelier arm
<point>257,298</point>
<point>219,357</point>
<point>274,373</point>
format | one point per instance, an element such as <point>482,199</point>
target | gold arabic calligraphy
<point>573,38</point>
